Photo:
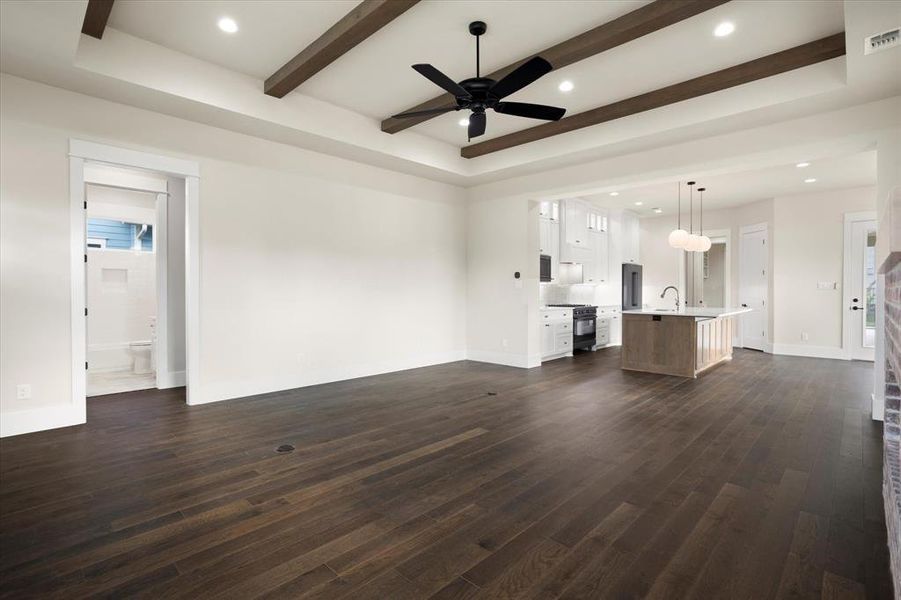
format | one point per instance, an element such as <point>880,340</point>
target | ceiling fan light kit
<point>478,94</point>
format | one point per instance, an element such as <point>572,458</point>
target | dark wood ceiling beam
<point>365,19</point>
<point>640,22</point>
<point>95,17</point>
<point>767,66</point>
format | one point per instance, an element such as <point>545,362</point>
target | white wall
<point>312,268</point>
<point>808,247</point>
<point>805,245</point>
<point>119,204</point>
<point>502,312</point>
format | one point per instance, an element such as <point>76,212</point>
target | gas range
<point>578,309</point>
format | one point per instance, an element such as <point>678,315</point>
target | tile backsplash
<point>552,293</point>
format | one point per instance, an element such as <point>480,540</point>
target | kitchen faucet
<point>675,289</point>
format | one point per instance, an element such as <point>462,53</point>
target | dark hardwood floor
<point>761,479</point>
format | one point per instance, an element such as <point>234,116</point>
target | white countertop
<point>707,312</point>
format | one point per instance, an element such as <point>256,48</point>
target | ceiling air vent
<point>881,41</point>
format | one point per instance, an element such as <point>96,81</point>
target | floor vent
<point>882,41</point>
<point>285,448</point>
<point>492,393</point>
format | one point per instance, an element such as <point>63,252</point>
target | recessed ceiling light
<point>639,203</point>
<point>810,180</point>
<point>464,122</point>
<point>658,210</point>
<point>566,86</point>
<point>614,193</point>
<point>801,165</point>
<point>724,29</point>
<point>228,25</point>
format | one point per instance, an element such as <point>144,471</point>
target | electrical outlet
<point>23,391</point>
<point>804,336</point>
<point>505,343</point>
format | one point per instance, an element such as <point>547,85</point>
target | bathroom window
<point>109,234</point>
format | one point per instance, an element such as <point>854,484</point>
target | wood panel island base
<point>684,342</point>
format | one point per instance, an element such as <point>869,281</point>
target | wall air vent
<point>882,41</point>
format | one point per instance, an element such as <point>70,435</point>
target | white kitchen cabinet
<point>597,271</point>
<point>549,243</point>
<point>613,324</point>
<point>549,209</point>
<point>597,219</point>
<point>630,235</point>
<point>575,224</point>
<point>602,332</point>
<point>576,240</point>
<point>556,332</point>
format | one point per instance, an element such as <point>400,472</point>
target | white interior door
<point>860,294</point>
<point>753,287</point>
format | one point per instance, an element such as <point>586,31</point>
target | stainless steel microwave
<point>545,267</point>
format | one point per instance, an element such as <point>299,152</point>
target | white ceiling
<point>271,32</point>
<point>742,187</point>
<point>375,78</point>
<point>170,57</point>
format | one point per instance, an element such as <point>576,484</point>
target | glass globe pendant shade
<point>693,244</point>
<point>705,244</point>
<point>678,238</point>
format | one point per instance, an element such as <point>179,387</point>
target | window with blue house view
<point>119,235</point>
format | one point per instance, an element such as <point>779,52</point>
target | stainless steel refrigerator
<point>631,286</point>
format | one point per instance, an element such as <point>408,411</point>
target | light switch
<point>827,285</point>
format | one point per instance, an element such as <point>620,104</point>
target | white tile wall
<point>121,289</point>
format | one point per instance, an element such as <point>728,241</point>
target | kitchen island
<point>681,342</point>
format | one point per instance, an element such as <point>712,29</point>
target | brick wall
<point>892,456</point>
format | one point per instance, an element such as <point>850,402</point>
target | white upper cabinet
<point>597,220</point>
<point>630,234</point>
<point>549,209</point>
<point>549,242</point>
<point>575,224</point>
<point>597,270</point>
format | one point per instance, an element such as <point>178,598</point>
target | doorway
<point>753,286</point>
<point>184,176</point>
<point>121,275</point>
<point>859,297</point>
<point>707,275</point>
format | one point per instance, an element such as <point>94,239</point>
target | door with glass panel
<point>861,309</point>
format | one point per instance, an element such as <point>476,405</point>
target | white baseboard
<point>809,351</point>
<point>504,358</point>
<point>39,419</point>
<point>170,379</point>
<point>228,390</point>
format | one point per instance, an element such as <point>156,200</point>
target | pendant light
<point>678,237</point>
<point>705,242</point>
<point>694,241</point>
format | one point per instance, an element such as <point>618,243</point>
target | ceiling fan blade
<point>422,113</point>
<point>477,124</point>
<point>532,111</point>
<point>442,80</point>
<point>521,76</point>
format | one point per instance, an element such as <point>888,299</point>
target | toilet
<point>142,357</point>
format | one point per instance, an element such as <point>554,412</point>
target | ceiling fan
<point>480,93</point>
